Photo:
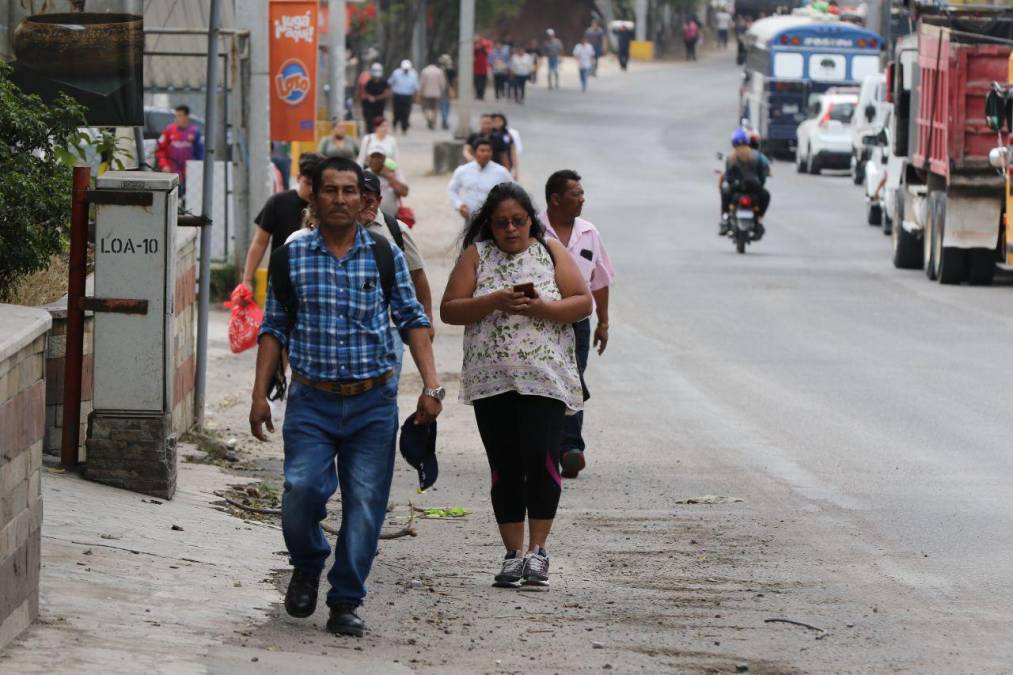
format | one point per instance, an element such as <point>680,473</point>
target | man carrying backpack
<point>331,296</point>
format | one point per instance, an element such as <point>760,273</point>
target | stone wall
<point>22,429</point>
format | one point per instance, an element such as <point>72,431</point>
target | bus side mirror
<point>995,111</point>
<point>870,113</point>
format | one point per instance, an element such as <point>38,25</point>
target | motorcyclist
<point>746,171</point>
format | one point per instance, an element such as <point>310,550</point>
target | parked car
<point>867,122</point>
<point>824,138</point>
<point>874,173</point>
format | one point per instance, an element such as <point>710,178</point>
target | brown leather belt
<point>348,388</point>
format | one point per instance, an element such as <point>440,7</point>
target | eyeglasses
<point>516,221</point>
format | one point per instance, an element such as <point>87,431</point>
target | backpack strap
<point>281,284</point>
<point>395,230</point>
<point>384,257</point>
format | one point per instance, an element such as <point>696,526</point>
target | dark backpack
<point>744,177</point>
<point>285,293</point>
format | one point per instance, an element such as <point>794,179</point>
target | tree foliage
<point>35,178</point>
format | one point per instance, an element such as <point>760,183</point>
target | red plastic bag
<point>245,321</point>
<point>406,215</point>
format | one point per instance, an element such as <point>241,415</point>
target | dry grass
<point>45,286</point>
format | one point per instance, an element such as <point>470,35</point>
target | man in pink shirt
<point>565,198</point>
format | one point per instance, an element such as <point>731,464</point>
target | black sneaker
<point>344,621</point>
<point>512,571</point>
<point>536,569</point>
<point>573,463</point>
<point>301,598</point>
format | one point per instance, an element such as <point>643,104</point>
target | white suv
<point>824,138</point>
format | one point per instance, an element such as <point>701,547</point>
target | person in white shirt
<point>472,182</point>
<point>521,65</point>
<point>723,21</point>
<point>584,53</point>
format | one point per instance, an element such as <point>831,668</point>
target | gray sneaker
<point>512,572</point>
<point>536,568</point>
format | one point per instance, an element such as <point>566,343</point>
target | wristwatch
<point>439,393</point>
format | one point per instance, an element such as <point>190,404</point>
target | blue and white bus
<point>790,60</point>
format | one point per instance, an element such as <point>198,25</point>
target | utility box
<point>130,441</point>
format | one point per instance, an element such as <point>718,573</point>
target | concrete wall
<point>56,351</point>
<point>22,428</point>
<point>184,328</point>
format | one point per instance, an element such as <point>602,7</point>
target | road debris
<point>710,499</point>
<point>795,623</point>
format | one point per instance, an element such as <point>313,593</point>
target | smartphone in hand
<point>527,289</point>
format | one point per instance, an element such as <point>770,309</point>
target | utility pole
<point>419,36</point>
<point>640,11</point>
<point>206,210</point>
<point>336,51</point>
<point>465,69</point>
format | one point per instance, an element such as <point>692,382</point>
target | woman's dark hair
<point>377,121</point>
<point>480,228</point>
<point>338,164</point>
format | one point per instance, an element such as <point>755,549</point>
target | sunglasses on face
<point>516,221</point>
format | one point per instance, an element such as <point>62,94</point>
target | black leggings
<point>521,435</point>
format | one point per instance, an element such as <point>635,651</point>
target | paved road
<point>856,410</point>
<point>860,411</point>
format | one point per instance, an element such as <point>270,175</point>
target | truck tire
<point>908,253</point>
<point>929,244</point>
<point>950,262</point>
<point>980,266</point>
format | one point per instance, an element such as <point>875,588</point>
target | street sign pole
<point>210,127</point>
<point>465,70</point>
<point>336,52</point>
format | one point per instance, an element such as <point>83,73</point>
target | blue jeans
<point>359,432</point>
<point>573,425</point>
<point>445,112</point>
<point>584,72</point>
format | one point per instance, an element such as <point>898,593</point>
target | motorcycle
<point>742,219</point>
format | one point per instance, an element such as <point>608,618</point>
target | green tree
<point>35,178</point>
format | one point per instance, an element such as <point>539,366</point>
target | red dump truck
<point>946,201</point>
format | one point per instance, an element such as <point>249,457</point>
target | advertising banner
<point>293,69</point>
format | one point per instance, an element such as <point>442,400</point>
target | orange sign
<point>293,64</point>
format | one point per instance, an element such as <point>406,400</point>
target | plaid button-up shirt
<point>342,330</point>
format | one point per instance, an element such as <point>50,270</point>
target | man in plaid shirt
<point>342,402</point>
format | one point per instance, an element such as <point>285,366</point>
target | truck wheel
<point>908,253</point>
<point>981,266</point>
<point>950,262</point>
<point>929,243</point>
<point>874,214</point>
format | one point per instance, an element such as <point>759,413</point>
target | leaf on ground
<point>450,512</point>
<point>709,499</point>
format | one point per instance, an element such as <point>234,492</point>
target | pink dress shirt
<point>587,251</point>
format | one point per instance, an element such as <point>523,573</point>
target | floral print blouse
<point>507,352</point>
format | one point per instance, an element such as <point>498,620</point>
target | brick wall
<point>22,429</point>
<point>184,329</point>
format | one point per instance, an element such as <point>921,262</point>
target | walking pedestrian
<point>500,63</point>
<point>380,138</point>
<point>505,139</point>
<point>723,22</point>
<point>482,50</point>
<point>690,35</point>
<point>595,36</point>
<point>450,73</point>
<point>432,89</point>
<point>281,215</point>
<point>472,182</point>
<point>553,50</point>
<point>404,83</point>
<point>392,184</point>
<point>180,142</point>
<point>624,35</point>
<point>375,94</point>
<point>485,130</point>
<point>342,404</point>
<point>521,66</point>
<point>564,196</point>
<point>339,144</point>
<point>516,293</point>
<point>535,50</point>
<point>584,53</point>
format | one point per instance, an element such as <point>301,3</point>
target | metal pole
<point>465,69</point>
<point>336,52</point>
<point>640,11</point>
<point>210,127</point>
<point>74,354</point>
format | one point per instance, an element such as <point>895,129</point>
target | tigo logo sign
<point>293,83</point>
